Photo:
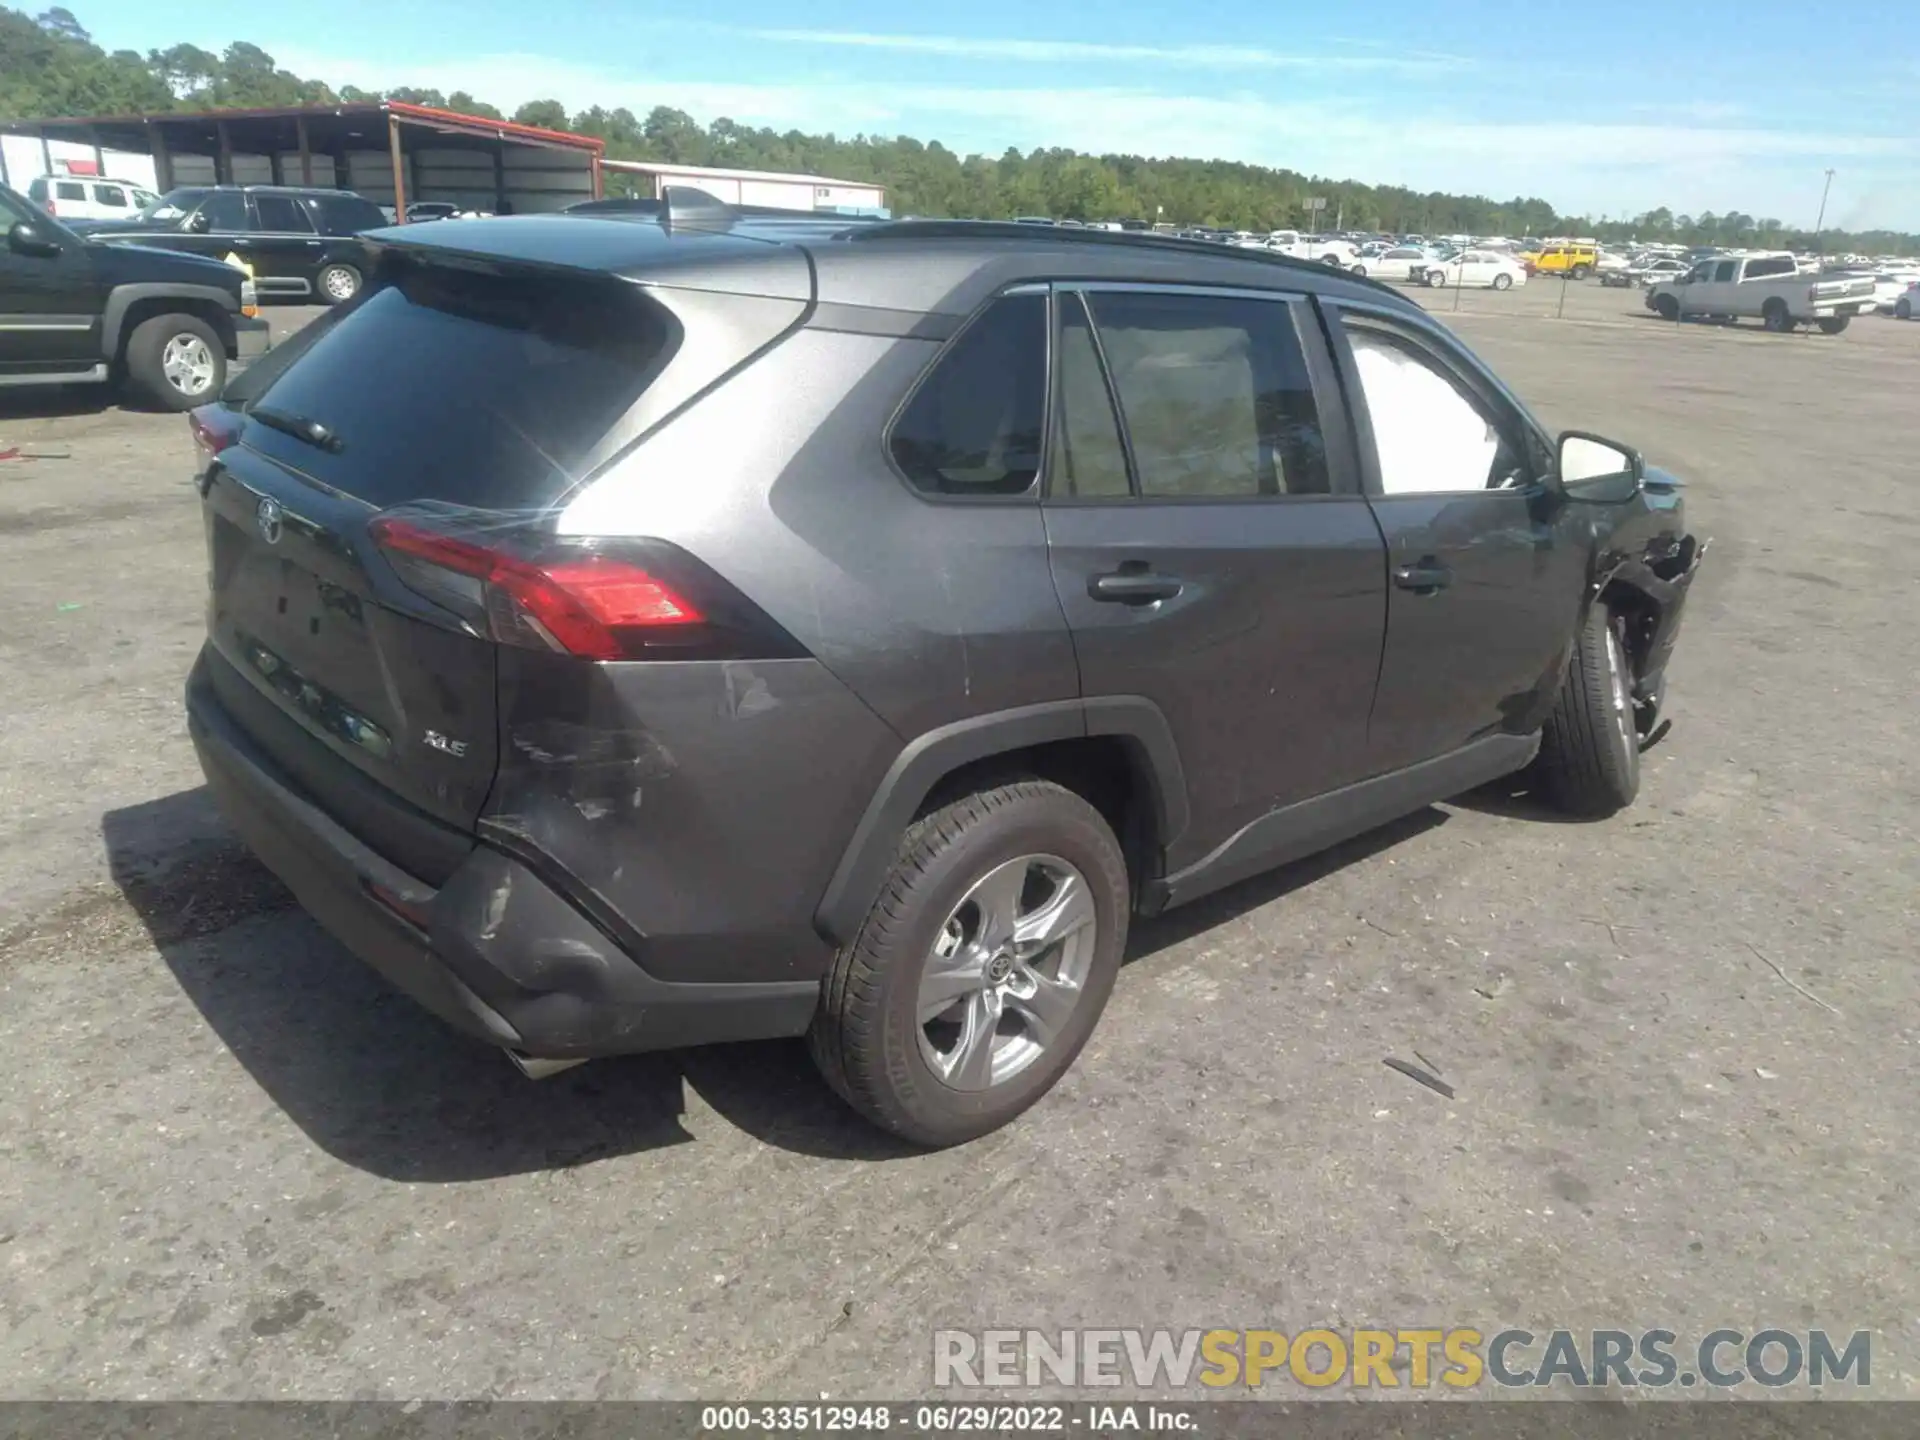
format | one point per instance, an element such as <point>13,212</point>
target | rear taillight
<point>570,598</point>
<point>214,428</point>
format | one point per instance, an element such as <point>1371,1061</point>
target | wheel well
<point>1642,614</point>
<point>1106,771</point>
<point>148,307</point>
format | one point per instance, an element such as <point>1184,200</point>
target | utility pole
<point>1821,219</point>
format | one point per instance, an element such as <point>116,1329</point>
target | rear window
<point>70,190</point>
<point>464,387</point>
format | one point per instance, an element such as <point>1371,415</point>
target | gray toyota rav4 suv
<point>636,631</point>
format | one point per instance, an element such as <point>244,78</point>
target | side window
<point>281,214</point>
<point>225,212</point>
<point>112,195</point>
<point>1700,272</point>
<point>346,214</point>
<point>1086,457</point>
<point>69,190</point>
<point>1430,434</point>
<point>1215,394</point>
<point>973,426</point>
<point>1726,270</point>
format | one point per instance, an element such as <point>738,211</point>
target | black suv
<point>633,633</point>
<point>300,244</point>
<point>166,326</point>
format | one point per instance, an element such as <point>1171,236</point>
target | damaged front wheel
<point>1589,761</point>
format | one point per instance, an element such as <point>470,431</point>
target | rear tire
<point>1903,309</point>
<point>1589,763</point>
<point>1580,272</point>
<point>1360,270</point>
<point>1503,281</point>
<point>1668,307</point>
<point>1775,317</point>
<point>944,926</point>
<point>1834,324</point>
<point>336,284</point>
<point>175,362</point>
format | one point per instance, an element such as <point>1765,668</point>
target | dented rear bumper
<point>496,951</point>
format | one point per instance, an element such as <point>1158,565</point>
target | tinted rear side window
<point>346,214</point>
<point>973,427</point>
<point>281,213</point>
<point>468,388</point>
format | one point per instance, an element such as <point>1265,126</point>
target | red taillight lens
<point>214,429</point>
<point>596,606</point>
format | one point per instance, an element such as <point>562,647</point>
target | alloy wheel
<point>1007,971</point>
<point>188,364</point>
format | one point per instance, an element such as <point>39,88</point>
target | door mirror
<point>26,238</point>
<point>1597,470</point>
<point>199,222</point>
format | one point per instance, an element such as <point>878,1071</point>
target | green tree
<point>463,103</point>
<point>546,114</point>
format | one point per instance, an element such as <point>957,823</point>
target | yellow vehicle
<point>1578,261</point>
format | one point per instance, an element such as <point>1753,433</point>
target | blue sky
<point>1608,108</point>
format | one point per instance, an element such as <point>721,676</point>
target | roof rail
<point>1123,239</point>
<point>687,207</point>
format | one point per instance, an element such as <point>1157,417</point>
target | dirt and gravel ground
<point>1684,1040</point>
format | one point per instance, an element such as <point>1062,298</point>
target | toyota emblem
<point>270,516</point>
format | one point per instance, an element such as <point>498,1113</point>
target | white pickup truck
<point>1768,288</point>
<point>1342,254</point>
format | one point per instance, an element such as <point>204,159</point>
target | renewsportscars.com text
<point>1417,1358</point>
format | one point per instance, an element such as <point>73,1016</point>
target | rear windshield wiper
<point>314,433</point>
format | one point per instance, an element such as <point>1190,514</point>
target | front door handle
<point>1424,576</point>
<point>1133,587</point>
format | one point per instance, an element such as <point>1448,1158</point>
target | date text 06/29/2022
<point>1459,1358</point>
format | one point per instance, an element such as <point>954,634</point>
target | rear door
<point>284,249</point>
<point>462,397</point>
<point>1208,540</point>
<point>1487,572</point>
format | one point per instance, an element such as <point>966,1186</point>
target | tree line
<point>50,66</point>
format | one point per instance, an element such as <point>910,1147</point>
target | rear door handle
<point>1424,576</point>
<point>1133,587</point>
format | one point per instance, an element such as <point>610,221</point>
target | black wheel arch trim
<point>930,758</point>
<point>122,298</point>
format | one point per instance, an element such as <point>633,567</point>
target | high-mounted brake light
<point>596,606</point>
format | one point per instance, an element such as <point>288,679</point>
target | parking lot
<point>233,1164</point>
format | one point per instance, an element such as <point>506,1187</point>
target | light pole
<point>1821,219</point>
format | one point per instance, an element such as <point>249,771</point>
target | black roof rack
<point>1124,239</point>
<point>686,207</point>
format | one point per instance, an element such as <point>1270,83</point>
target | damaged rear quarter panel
<point>705,802</point>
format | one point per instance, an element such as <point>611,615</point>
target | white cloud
<point>1592,167</point>
<point>1211,57</point>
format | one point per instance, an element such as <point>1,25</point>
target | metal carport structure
<point>392,152</point>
